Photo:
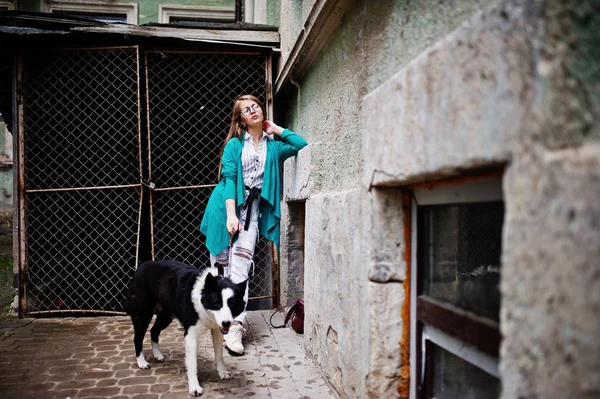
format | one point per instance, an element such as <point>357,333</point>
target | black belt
<point>253,194</point>
<point>220,268</point>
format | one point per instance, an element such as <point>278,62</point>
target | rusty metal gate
<point>99,127</point>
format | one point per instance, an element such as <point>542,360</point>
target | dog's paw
<point>196,390</point>
<point>156,352</point>
<point>224,374</point>
<point>143,364</point>
<point>158,356</point>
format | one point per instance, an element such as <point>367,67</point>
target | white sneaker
<point>233,339</point>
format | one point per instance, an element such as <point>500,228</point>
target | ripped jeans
<point>242,255</point>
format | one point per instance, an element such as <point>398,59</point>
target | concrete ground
<point>94,357</point>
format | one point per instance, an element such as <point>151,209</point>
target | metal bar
<point>254,298</point>
<point>404,380</point>
<point>151,226</point>
<point>139,222</point>
<point>275,283</point>
<point>211,52</point>
<point>148,118</point>
<point>139,102</point>
<point>16,151</point>
<point>269,84</point>
<point>99,48</point>
<point>149,136</point>
<point>274,275</point>
<point>478,331</point>
<point>76,311</point>
<point>184,187</point>
<point>237,44</point>
<point>21,187</point>
<point>47,190</point>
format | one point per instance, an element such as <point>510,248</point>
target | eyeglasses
<point>253,107</point>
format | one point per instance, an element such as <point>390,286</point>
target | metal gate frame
<point>20,183</point>
<point>20,167</point>
<point>154,189</point>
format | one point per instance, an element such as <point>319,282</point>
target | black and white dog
<point>198,299</point>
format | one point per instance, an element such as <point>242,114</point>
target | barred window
<point>456,338</point>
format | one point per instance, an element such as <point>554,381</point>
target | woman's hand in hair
<point>271,128</point>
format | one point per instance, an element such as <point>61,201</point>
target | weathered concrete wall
<point>551,279</point>
<point>405,92</point>
<point>502,88</point>
<point>336,317</point>
<point>293,17</point>
<point>461,104</point>
<point>360,357</point>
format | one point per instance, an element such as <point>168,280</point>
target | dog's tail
<point>129,301</point>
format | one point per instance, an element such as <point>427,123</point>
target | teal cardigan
<point>232,186</point>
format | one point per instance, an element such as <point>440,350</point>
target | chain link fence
<point>84,160</point>
<point>190,96</point>
<point>81,168</point>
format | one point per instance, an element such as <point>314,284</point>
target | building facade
<point>423,118</point>
<point>443,224</point>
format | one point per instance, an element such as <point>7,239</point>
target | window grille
<point>457,234</point>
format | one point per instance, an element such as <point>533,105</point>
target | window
<point>100,10</point>
<point>192,14</point>
<point>6,5</point>
<point>109,18</point>
<point>455,303</point>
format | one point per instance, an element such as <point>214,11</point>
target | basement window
<point>455,297</point>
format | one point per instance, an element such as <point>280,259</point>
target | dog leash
<point>220,267</point>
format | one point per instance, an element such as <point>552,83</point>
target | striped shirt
<point>253,161</point>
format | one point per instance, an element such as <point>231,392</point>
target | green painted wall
<point>273,12</point>
<point>147,10</point>
<point>374,41</point>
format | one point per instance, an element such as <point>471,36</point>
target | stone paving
<point>94,357</point>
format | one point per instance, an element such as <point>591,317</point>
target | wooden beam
<point>242,36</point>
<point>482,333</point>
<point>324,18</point>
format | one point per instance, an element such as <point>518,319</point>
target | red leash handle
<point>295,304</point>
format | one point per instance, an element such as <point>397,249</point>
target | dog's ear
<point>242,285</point>
<point>210,282</point>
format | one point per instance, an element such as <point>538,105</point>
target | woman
<point>246,200</point>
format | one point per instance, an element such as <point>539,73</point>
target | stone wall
<point>405,92</point>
